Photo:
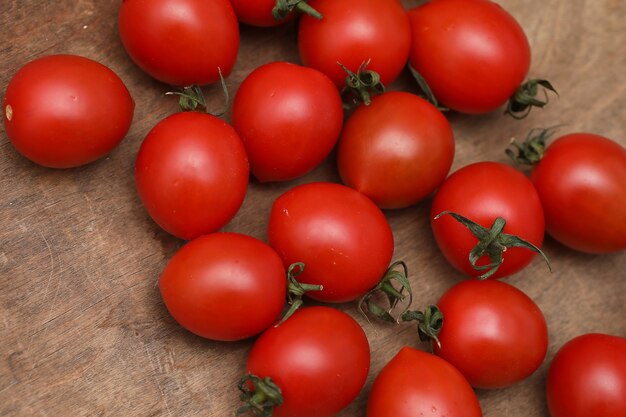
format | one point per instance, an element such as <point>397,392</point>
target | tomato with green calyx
<point>487,220</point>
<point>341,236</point>
<point>312,365</point>
<point>493,333</point>
<point>352,32</point>
<point>474,56</point>
<point>580,180</point>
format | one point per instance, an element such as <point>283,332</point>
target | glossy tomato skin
<point>180,42</point>
<point>63,111</point>
<point>320,359</point>
<point>289,118</point>
<point>341,236</point>
<point>473,54</point>
<point>397,150</point>
<point>192,173</point>
<point>257,12</point>
<point>482,192</point>
<point>416,383</point>
<point>587,377</point>
<point>493,333</point>
<point>353,31</point>
<point>224,286</point>
<point>581,181</point>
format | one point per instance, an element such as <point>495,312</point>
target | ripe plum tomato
<point>587,377</point>
<point>581,182</point>
<point>343,239</point>
<point>63,111</point>
<point>224,286</point>
<point>482,192</point>
<point>319,358</point>
<point>289,118</point>
<point>416,383</point>
<point>354,31</point>
<point>493,333</point>
<point>180,42</point>
<point>397,150</point>
<point>472,53</point>
<point>192,174</point>
<point>257,12</point>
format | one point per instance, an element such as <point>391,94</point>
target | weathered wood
<point>83,328</point>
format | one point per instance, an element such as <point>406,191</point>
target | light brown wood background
<point>83,330</point>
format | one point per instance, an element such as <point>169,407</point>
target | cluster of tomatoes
<point>332,241</point>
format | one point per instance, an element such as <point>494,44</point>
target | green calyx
<point>362,84</point>
<point>296,290</point>
<point>525,98</point>
<point>426,93</point>
<point>429,323</point>
<point>261,398</point>
<point>283,7</point>
<point>532,149</point>
<point>492,242</point>
<point>385,286</point>
<point>191,98</point>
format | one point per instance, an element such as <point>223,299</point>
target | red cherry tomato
<point>397,150</point>
<point>493,333</point>
<point>581,181</point>
<point>192,174</point>
<point>472,53</point>
<point>319,358</point>
<point>62,111</point>
<point>257,12</point>
<point>482,192</point>
<point>224,286</point>
<point>339,234</point>
<point>354,31</point>
<point>289,118</point>
<point>180,42</point>
<point>587,377</point>
<point>416,383</point>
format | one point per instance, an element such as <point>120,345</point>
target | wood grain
<point>84,331</point>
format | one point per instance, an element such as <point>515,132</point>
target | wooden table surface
<point>83,329</point>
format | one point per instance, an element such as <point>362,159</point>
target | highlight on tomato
<point>474,57</point>
<point>416,383</point>
<point>289,118</point>
<point>192,174</point>
<point>224,286</point>
<point>396,150</point>
<point>487,220</point>
<point>180,42</point>
<point>580,180</point>
<point>352,32</point>
<point>63,111</point>
<point>341,236</point>
<point>312,365</point>
<point>587,377</point>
